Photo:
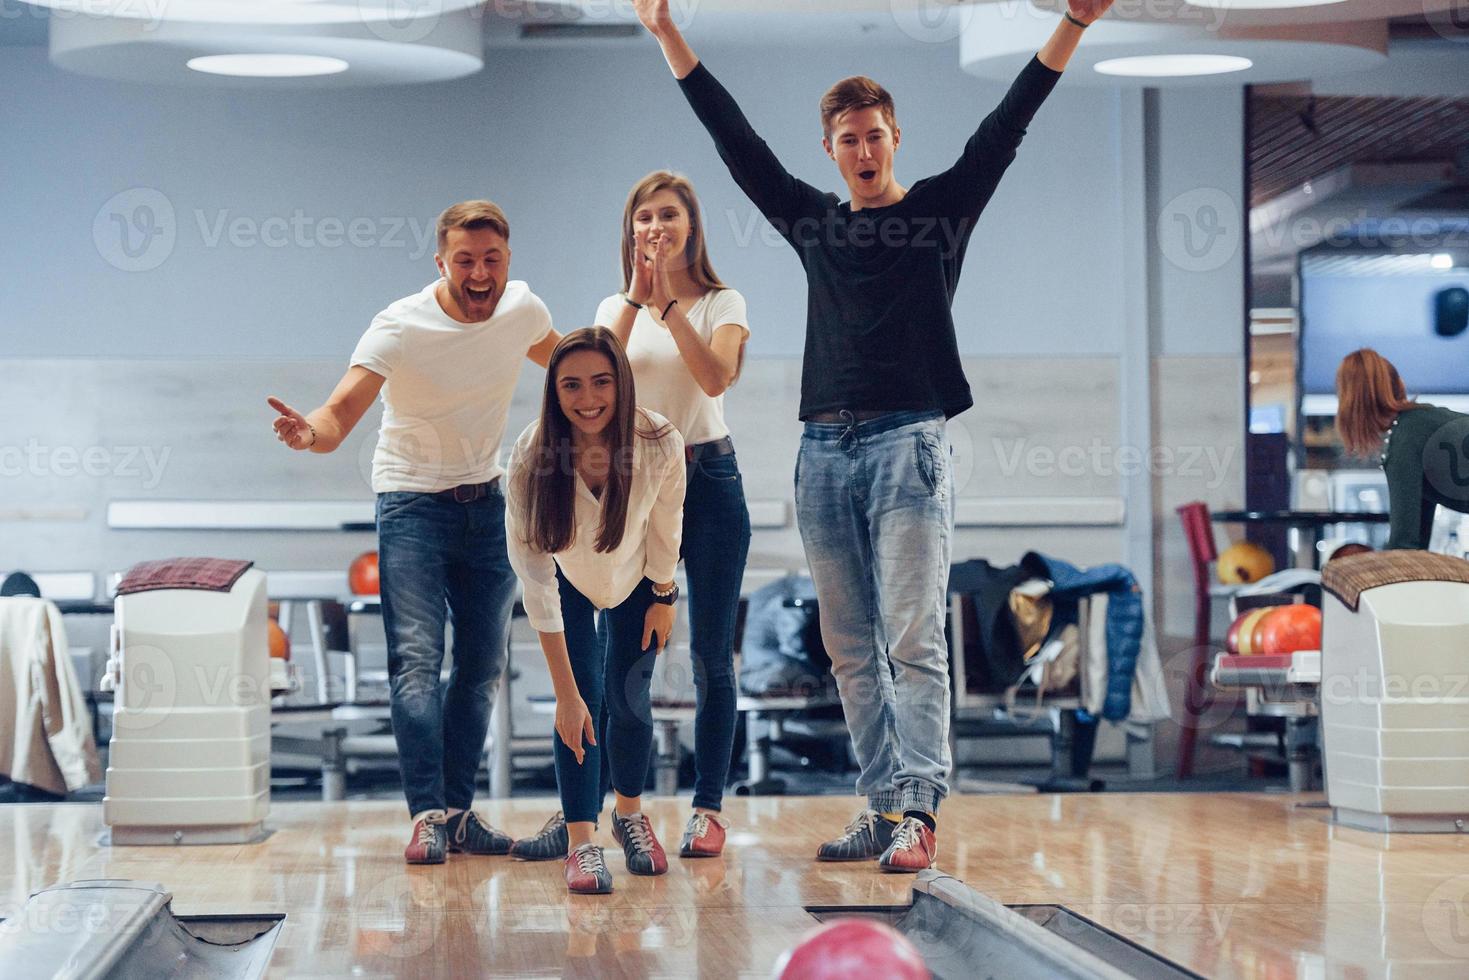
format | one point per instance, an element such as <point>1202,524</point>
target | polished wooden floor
<point>1227,885</point>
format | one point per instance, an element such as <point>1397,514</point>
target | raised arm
<point>778,195</point>
<point>659,22</point>
<point>1058,50</point>
<point>323,429</point>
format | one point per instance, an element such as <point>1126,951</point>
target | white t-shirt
<point>663,379</point>
<point>448,389</point>
<point>650,538</point>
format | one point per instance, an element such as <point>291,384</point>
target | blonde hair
<point>1369,395</point>
<point>472,215</point>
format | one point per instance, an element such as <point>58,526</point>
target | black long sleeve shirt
<point>880,281</point>
<point>1415,442</point>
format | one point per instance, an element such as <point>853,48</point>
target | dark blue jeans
<point>613,674</point>
<point>716,543</point>
<point>441,561</point>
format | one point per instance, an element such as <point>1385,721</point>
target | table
<point>1314,522</point>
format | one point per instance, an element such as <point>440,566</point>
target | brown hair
<point>472,215</point>
<point>696,254</point>
<point>857,92</point>
<point>550,489</point>
<point>1369,396</point>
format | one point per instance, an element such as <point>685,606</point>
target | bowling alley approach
<point>922,490</point>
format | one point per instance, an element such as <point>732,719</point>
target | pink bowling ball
<point>855,947</point>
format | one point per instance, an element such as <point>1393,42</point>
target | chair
<point>1198,531</point>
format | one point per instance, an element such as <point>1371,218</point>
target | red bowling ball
<point>852,948</point>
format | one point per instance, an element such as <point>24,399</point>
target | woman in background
<point>1424,448</point>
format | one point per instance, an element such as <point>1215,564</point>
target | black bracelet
<point>1075,21</point>
<point>671,304</point>
<point>630,302</point>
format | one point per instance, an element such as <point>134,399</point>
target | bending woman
<point>1426,462</point>
<point>594,514</point>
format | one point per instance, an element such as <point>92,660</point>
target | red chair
<point>1199,533</point>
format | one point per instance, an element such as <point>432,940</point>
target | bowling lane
<point>1228,886</point>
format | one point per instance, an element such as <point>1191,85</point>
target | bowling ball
<point>280,643</point>
<point>1245,644</point>
<point>1244,562</point>
<point>1350,548</point>
<point>362,576</point>
<point>852,947</point>
<point>1291,628</point>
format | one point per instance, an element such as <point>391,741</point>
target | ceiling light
<point>1443,261</point>
<point>1172,65</point>
<point>267,65</point>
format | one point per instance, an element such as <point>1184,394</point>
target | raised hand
<point>291,426</point>
<point>641,288</point>
<point>654,15</point>
<point>662,283</point>
<point>1087,11</point>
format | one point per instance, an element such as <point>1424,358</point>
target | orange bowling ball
<point>1246,644</point>
<point>1291,628</point>
<point>280,643</point>
<point>362,577</point>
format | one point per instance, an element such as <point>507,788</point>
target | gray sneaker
<point>548,844</point>
<point>865,839</point>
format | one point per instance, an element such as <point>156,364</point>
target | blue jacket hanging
<point>1124,618</point>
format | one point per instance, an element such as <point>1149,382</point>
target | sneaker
<point>643,852</point>
<point>468,834</point>
<point>547,845</point>
<point>586,871</point>
<point>913,848</point>
<point>866,837</point>
<point>704,836</point>
<point>430,838</point>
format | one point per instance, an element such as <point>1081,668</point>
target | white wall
<point>556,137</point>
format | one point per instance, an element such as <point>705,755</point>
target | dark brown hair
<point>1369,395</point>
<point>857,92</point>
<point>472,215</point>
<point>551,483</point>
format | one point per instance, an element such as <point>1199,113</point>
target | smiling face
<point>586,389</point>
<point>475,264</point>
<point>662,217</point>
<point>863,145</point>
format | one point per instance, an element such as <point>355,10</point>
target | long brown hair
<point>696,253</point>
<point>1369,395</point>
<point>551,483</point>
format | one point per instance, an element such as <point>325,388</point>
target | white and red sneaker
<point>430,838</point>
<point>704,836</point>
<point>586,871</point>
<point>913,848</point>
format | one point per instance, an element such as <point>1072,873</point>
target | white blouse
<point>650,539</point>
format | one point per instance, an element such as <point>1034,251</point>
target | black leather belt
<point>709,450</point>
<point>841,415</point>
<point>468,493</point>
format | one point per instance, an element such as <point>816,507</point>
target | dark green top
<point>1411,493</point>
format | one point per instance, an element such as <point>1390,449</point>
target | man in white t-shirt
<point>445,360</point>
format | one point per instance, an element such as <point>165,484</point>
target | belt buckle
<point>468,496</point>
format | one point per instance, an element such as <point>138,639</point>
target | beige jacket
<point>45,732</point>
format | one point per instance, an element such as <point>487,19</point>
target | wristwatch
<point>665,598</point>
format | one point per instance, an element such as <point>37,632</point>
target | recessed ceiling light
<point>267,65</point>
<point>1442,261</point>
<point>1172,65</point>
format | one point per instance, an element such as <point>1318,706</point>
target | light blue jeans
<point>874,501</point>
